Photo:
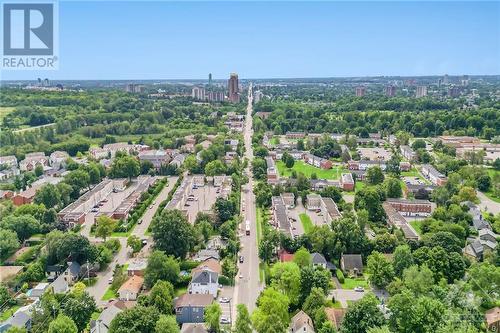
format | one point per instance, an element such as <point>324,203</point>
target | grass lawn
<point>306,222</point>
<point>259,223</point>
<point>350,283</point>
<point>308,170</point>
<point>359,186</point>
<point>9,312</point>
<point>493,174</point>
<point>417,225</point>
<point>180,290</point>
<point>109,294</point>
<point>335,305</point>
<point>275,141</point>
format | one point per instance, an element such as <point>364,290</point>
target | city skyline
<point>289,40</point>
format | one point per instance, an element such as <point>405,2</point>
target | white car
<point>224,320</point>
<point>224,300</point>
<point>359,289</point>
<point>110,280</point>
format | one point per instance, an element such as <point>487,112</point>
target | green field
<point>350,283</point>
<point>359,186</point>
<point>275,141</point>
<point>308,170</point>
<point>306,222</point>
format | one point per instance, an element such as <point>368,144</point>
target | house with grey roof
<point>190,308</point>
<point>487,235</point>
<point>318,260</point>
<point>351,264</point>
<point>478,222</point>
<point>204,282</point>
<point>194,328</point>
<point>205,254</point>
<point>474,249</point>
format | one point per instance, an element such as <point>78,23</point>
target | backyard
<point>417,225</point>
<point>308,170</point>
<point>350,283</point>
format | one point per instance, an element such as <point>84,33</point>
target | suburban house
<point>9,161</point>
<point>347,182</point>
<point>318,162</point>
<point>301,322</point>
<point>22,318</point>
<point>478,222</point>
<point>137,267</point>
<point>210,264</point>
<point>474,249</point>
<point>205,254</point>
<point>404,166</point>
<point>58,159</point>
<point>32,160</point>
<point>38,290</point>
<point>131,288</point>
<point>204,282</point>
<point>26,196</point>
<point>436,177</point>
<point>365,165</point>
<point>233,143</point>
<point>351,264</point>
<point>492,319</point>
<point>335,316</point>
<point>318,260</point>
<point>101,324</point>
<point>190,308</point>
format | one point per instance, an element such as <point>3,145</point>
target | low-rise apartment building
<point>436,177</point>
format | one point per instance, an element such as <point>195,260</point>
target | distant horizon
<point>132,40</point>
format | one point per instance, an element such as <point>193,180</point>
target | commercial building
<point>198,93</point>
<point>233,88</point>
<point>360,91</point>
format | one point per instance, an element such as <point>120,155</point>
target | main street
<point>99,288</point>
<point>248,286</point>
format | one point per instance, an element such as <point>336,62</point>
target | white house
<point>204,282</point>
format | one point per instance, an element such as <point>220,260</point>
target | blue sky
<point>169,40</point>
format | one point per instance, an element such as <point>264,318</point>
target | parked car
<point>359,289</point>
<point>224,300</point>
<point>224,320</point>
<point>110,280</point>
<point>242,259</point>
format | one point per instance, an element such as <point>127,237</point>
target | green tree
<point>271,314</point>
<point>8,242</point>
<point>125,167</point>
<point>24,225</point>
<point>139,319</point>
<point>374,175</point>
<point>105,226</point>
<point>302,258</point>
<point>79,307</point>
<point>38,170</point>
<point>243,320</point>
<point>418,280</point>
<point>134,243</point>
<point>167,324</point>
<point>212,317</point>
<point>173,234</point>
<point>214,168</point>
<point>393,188</point>
<point>362,316</point>
<point>229,268</point>
<point>285,277</point>
<point>314,302</point>
<point>403,259</point>
<point>62,324</point>
<point>48,195</point>
<point>380,268</point>
<point>162,296</point>
<point>161,267</point>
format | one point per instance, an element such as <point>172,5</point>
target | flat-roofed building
<point>156,157</point>
<point>394,218</point>
<point>318,162</point>
<point>313,201</point>
<point>365,165</point>
<point>408,153</point>
<point>411,207</point>
<point>288,199</point>
<point>280,216</point>
<point>295,135</point>
<point>347,182</point>
<point>436,177</point>
<point>330,210</point>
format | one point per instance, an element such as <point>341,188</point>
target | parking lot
<point>294,216</point>
<point>374,154</point>
<point>201,199</point>
<point>413,180</point>
<point>226,302</point>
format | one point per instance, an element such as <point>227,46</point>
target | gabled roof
<point>318,258</point>
<point>133,284</point>
<point>205,277</point>
<point>335,316</point>
<point>210,264</point>
<point>301,319</point>
<point>352,261</point>
<point>492,316</point>
<point>197,300</point>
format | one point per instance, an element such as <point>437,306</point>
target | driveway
<point>487,204</point>
<point>344,295</point>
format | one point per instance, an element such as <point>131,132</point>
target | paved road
<point>99,288</point>
<point>248,287</point>
<point>487,204</point>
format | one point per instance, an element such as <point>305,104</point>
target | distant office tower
<point>233,88</point>
<point>46,82</point>
<point>209,79</point>
<point>198,93</point>
<point>360,91</point>
<point>465,80</point>
<point>446,79</point>
<point>134,88</point>
<point>421,91</point>
<point>390,91</point>
<point>454,91</point>
<point>440,81</point>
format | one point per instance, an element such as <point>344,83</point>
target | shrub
<point>224,280</point>
<point>340,276</point>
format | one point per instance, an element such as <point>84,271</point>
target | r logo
<point>28,29</point>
